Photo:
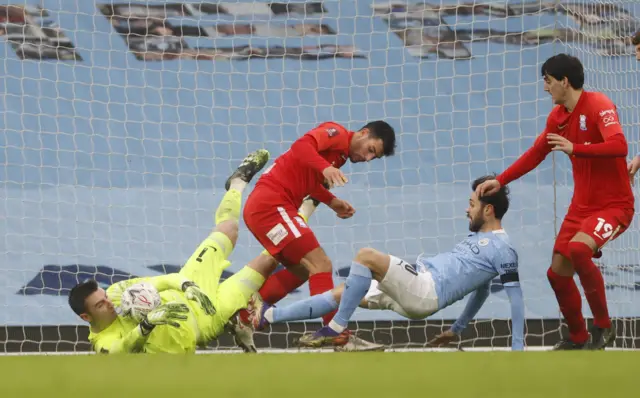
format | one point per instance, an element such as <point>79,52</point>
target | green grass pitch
<point>366,375</point>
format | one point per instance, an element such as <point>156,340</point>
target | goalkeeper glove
<point>193,292</point>
<point>165,314</point>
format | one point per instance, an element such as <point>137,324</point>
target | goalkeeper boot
<point>355,343</point>
<point>250,166</point>
<point>257,308</point>
<point>242,334</point>
<point>324,337</point>
<point>601,337</point>
<point>568,345</point>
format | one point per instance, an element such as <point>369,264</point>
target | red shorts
<point>278,227</point>
<point>603,226</point>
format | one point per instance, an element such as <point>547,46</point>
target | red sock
<point>570,302</point>
<point>318,284</point>
<point>275,288</point>
<point>592,283</point>
<point>278,285</point>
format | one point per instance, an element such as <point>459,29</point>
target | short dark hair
<point>499,200</point>
<point>636,38</point>
<point>563,65</point>
<point>79,294</point>
<point>382,130</point>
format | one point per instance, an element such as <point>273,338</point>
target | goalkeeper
<point>195,306</point>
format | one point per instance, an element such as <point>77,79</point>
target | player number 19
<point>603,225</point>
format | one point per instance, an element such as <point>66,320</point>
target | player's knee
<point>578,250</point>
<point>367,257</point>
<point>317,261</point>
<point>230,229</point>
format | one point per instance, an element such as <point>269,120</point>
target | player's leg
<point>414,292</point>
<point>286,280</point>
<point>235,294</point>
<point>560,275</point>
<point>280,284</point>
<point>206,264</point>
<point>595,232</point>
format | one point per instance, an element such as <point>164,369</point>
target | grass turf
<point>367,375</point>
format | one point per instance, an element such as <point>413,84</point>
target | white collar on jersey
<point>499,231</point>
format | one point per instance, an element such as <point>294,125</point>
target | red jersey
<point>298,172</point>
<point>600,172</point>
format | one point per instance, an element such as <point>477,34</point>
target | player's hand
<point>334,177</point>
<point>488,187</point>
<point>633,167</point>
<point>559,143</point>
<point>342,208</point>
<point>193,292</point>
<point>166,314</point>
<point>443,338</point>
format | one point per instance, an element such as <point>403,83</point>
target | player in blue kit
<point>382,281</point>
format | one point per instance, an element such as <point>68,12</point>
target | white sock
<point>337,328</point>
<point>307,208</point>
<point>268,315</point>
<point>237,184</point>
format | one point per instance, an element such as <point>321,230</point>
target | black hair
<point>499,200</point>
<point>79,294</point>
<point>636,39</point>
<point>563,65</point>
<point>382,130</point>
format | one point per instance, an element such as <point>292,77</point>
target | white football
<point>139,299</point>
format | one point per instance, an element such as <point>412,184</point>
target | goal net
<point>122,120</point>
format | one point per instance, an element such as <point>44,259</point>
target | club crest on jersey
<point>483,242</point>
<point>583,122</point>
<point>332,132</point>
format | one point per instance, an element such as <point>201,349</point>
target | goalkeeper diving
<point>195,306</point>
<point>381,281</point>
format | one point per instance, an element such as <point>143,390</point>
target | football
<point>139,299</point>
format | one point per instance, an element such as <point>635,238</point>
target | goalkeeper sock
<point>570,304</point>
<point>355,288</point>
<point>592,283</point>
<point>309,308</point>
<point>229,208</point>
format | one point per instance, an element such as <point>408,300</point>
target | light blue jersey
<point>470,267</point>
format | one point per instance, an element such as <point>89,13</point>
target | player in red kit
<point>585,126</point>
<point>271,210</point>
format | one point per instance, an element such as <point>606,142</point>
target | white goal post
<point>121,121</point>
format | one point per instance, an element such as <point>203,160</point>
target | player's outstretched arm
<point>476,301</point>
<point>527,161</point>
<point>517,316</point>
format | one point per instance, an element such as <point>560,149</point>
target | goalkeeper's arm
<point>134,341</point>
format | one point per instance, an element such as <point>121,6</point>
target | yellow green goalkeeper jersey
<point>123,334</point>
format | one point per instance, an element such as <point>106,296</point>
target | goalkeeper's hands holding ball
<point>165,314</point>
